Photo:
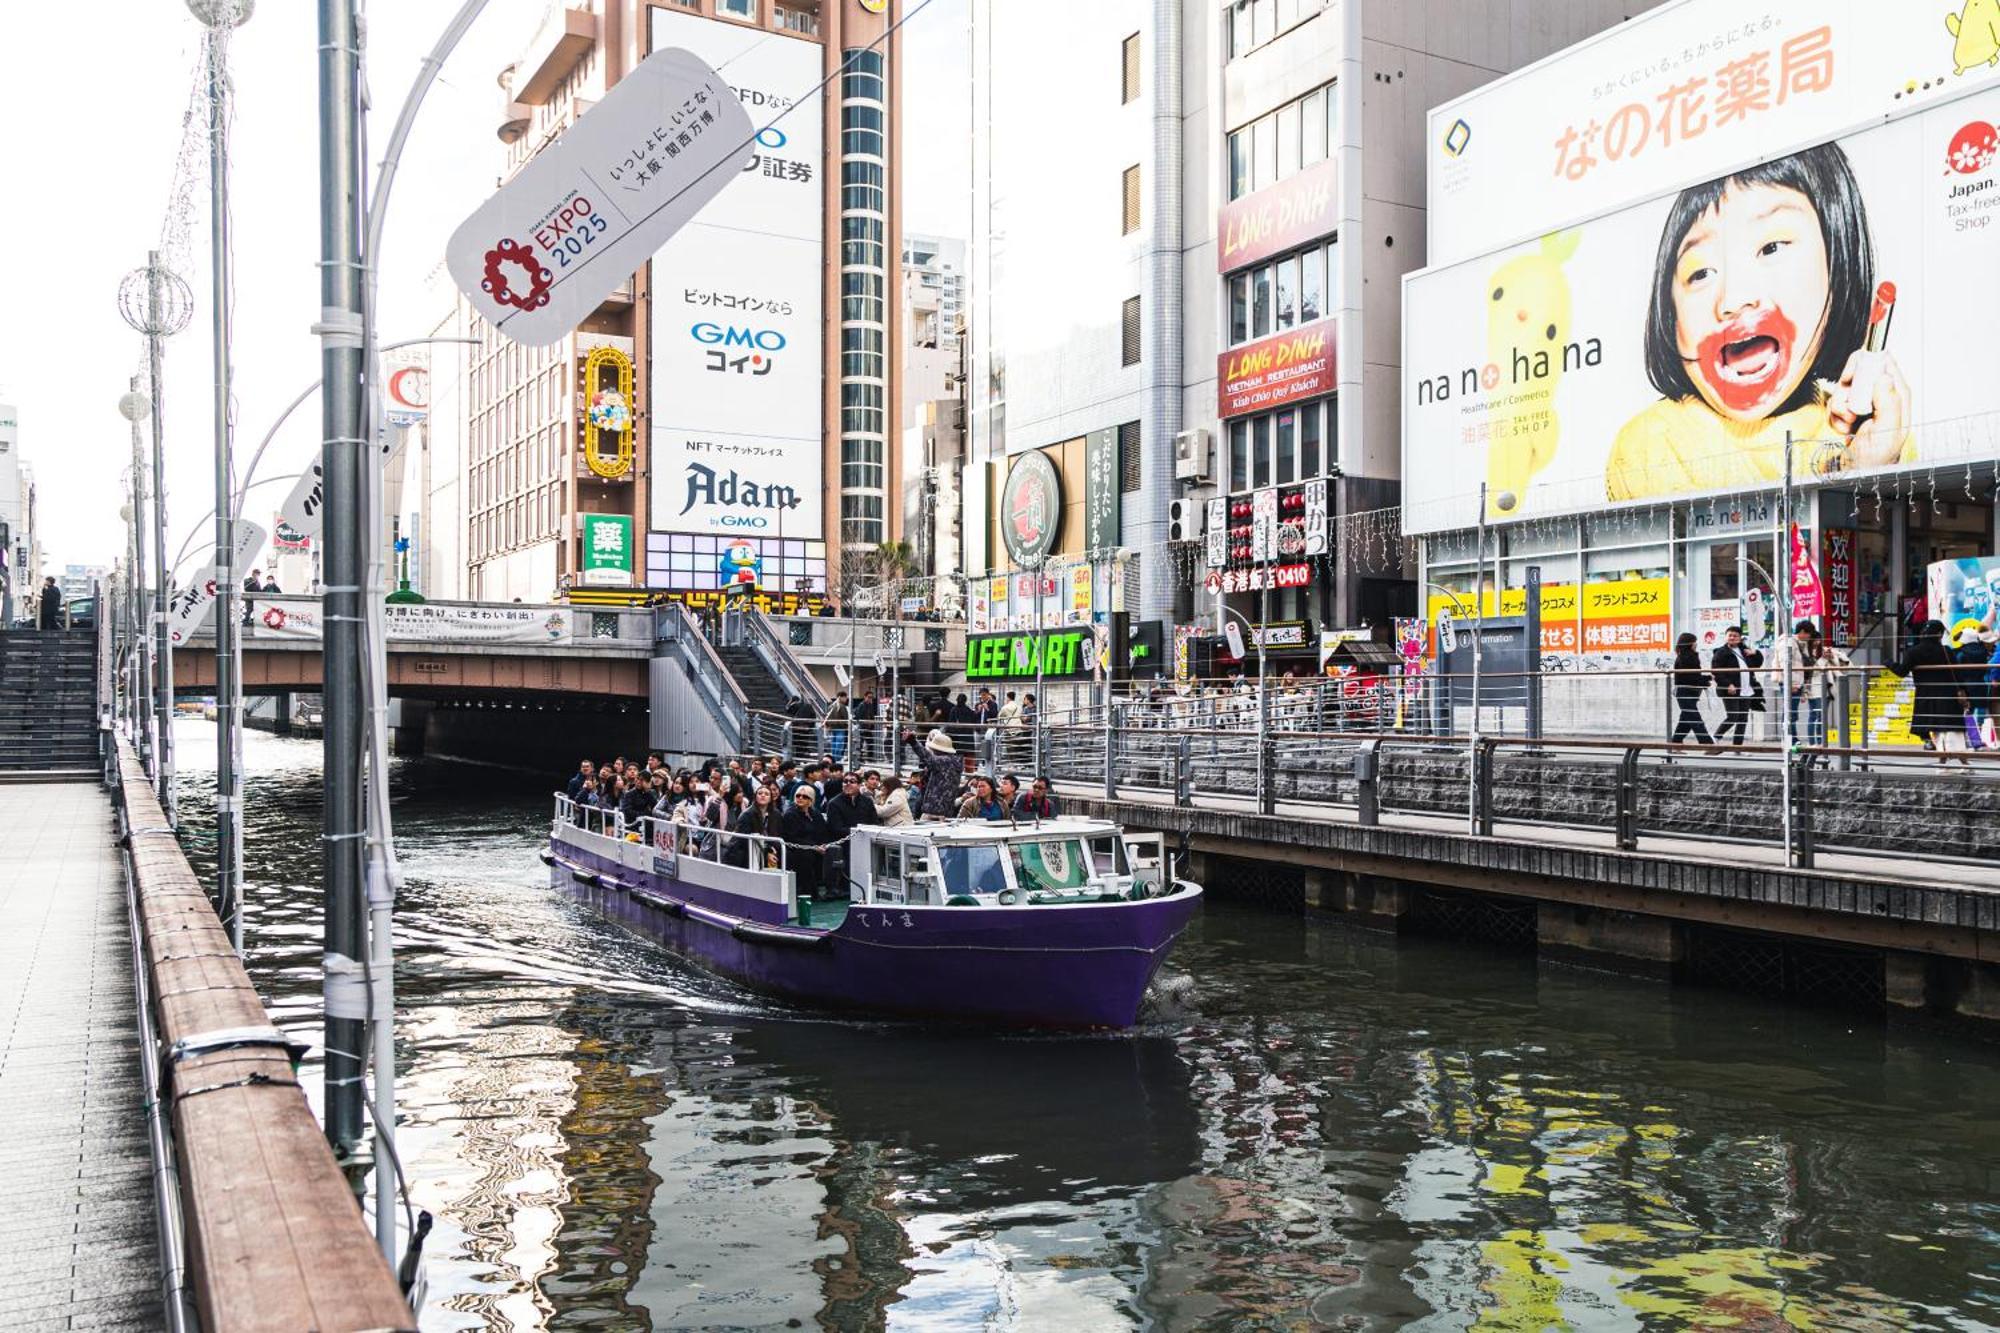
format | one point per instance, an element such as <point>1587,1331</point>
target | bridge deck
<point>78,1226</point>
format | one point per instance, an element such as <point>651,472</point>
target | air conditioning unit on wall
<point>1194,455</point>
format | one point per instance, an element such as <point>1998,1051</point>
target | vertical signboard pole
<point>1533,644</point>
<point>163,648</point>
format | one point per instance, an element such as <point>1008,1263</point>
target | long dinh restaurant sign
<point>1063,654</point>
<point>1277,370</point>
<point>1282,217</point>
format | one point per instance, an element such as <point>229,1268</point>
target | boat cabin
<point>970,863</point>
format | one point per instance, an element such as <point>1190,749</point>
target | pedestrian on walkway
<point>942,769</point>
<point>1732,666</point>
<point>836,728</point>
<point>1690,683</point>
<point>1939,714</point>
<point>51,605</point>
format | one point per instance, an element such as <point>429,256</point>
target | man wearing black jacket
<point>1732,665</point>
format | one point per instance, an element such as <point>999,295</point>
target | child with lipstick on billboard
<point>1765,319</point>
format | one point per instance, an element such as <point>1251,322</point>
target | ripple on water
<point>1311,1127</point>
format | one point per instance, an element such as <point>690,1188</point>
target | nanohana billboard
<point>736,342</point>
<point>1844,294</point>
<point>1684,93</point>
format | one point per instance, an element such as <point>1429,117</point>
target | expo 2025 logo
<point>500,287</point>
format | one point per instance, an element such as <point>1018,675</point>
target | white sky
<point>94,123</point>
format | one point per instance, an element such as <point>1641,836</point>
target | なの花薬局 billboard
<point>1843,295</point>
<point>1684,93</point>
<point>737,360</point>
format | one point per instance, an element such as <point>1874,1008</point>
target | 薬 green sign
<point>607,550</point>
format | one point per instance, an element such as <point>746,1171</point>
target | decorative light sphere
<point>136,304</point>
<point>134,406</point>
<point>124,513</point>
<point>222,13</point>
<point>1506,502</point>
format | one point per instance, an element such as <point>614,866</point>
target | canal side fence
<point>259,1229</point>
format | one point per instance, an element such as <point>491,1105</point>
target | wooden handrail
<point>275,1236</point>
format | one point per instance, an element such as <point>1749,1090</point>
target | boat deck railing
<point>696,841</point>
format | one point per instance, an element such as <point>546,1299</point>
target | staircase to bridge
<point>48,704</point>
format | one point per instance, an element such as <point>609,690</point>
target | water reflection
<point>1324,1129</point>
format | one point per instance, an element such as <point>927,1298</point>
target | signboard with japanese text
<point>1298,209</point>
<point>1273,371</point>
<point>1684,93</point>
<point>737,365</point>
<point>1838,298</point>
<point>1840,568</point>
<point>1625,616</point>
<point>1081,579</point>
<point>1264,525</point>
<point>607,550</point>
<point>1215,533</point>
<point>1258,577</point>
<point>1315,518</point>
<point>591,208</point>
<point>1100,490</point>
<point>429,622</point>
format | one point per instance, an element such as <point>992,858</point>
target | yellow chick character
<point>1978,34</point>
<point>1527,324</point>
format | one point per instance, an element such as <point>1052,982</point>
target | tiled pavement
<point>76,1202</point>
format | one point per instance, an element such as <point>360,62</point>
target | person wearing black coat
<point>805,842</point>
<point>1690,681</point>
<point>760,819</point>
<point>51,605</point>
<point>846,808</point>
<point>1731,666</point>
<point>1939,714</point>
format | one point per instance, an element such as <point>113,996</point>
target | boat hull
<point>1081,966</point>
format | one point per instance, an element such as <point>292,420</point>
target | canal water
<point>1314,1128</point>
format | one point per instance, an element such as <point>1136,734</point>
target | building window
<point>1255,22</point>
<point>1239,309</point>
<point>1284,293</point>
<point>1131,192</point>
<point>738,9</point>
<point>1286,141</point>
<point>1129,71</point>
<point>1129,333</point>
<point>1128,457</point>
<point>1282,448</point>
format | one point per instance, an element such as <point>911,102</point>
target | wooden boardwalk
<point>77,1226</point>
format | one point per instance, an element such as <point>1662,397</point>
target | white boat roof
<point>992,830</point>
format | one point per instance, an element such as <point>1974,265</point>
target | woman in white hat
<point>943,770</point>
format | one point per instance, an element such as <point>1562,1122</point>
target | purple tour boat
<point>1058,923</point>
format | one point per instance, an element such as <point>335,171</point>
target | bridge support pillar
<point>1906,982</point>
<point>1979,992</point>
<point>281,722</point>
<point>1604,937</point>
<point>1369,900</point>
<point>407,720</point>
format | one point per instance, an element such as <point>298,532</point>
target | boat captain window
<point>1054,864</point>
<point>972,869</point>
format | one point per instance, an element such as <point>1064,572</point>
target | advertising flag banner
<point>188,609</point>
<point>592,207</point>
<point>736,373</point>
<point>1839,297</point>
<point>301,512</point>
<point>1264,525</point>
<point>430,622</point>
<point>1808,593</point>
<point>1684,93</point>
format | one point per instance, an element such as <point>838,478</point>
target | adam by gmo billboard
<point>1844,294</point>
<point>735,323</point>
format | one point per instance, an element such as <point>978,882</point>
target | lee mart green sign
<point>1054,655</point>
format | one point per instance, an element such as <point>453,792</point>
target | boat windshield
<point>974,868</point>
<point>1058,863</point>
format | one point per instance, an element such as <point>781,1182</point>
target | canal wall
<point>274,1237</point>
<point>547,738</point>
<point>1701,913</point>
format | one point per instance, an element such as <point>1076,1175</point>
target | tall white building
<point>1186,286</point>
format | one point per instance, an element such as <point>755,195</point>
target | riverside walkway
<point>78,1227</point>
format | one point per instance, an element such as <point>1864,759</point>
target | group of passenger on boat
<point>810,806</point>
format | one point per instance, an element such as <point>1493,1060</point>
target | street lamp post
<point>1505,503</point>
<point>156,302</point>
<point>222,17</point>
<point>136,407</point>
